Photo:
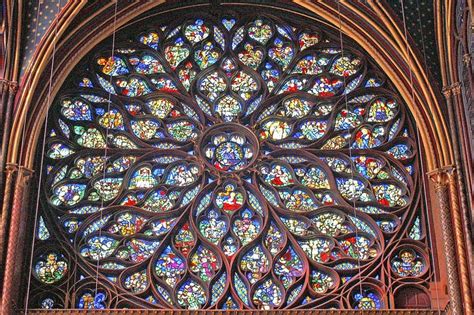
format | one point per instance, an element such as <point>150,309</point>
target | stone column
<point>7,172</point>
<point>10,171</point>
<point>457,188</point>
<point>13,255</point>
<point>440,178</point>
<point>8,91</point>
<point>461,233</point>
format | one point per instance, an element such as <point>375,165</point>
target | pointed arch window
<point>238,161</point>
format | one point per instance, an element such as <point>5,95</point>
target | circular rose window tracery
<point>242,162</point>
<point>228,147</point>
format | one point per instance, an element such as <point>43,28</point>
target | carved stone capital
<point>11,168</point>
<point>25,172</point>
<point>440,177</point>
<point>447,92</point>
<point>453,89</point>
<point>24,176</point>
<point>12,85</point>
<point>466,58</point>
<point>456,88</point>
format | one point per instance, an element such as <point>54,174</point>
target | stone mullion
<point>442,190</point>
<point>10,288</point>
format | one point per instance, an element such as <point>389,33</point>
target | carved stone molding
<point>242,312</point>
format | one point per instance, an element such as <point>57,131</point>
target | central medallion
<point>230,155</point>
<point>229,147</point>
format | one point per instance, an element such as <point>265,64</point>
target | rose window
<point>231,162</point>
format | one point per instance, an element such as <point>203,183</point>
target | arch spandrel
<point>424,132</point>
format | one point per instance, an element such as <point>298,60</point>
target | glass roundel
<point>228,147</point>
<point>232,162</point>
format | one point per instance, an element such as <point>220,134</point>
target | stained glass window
<point>238,161</point>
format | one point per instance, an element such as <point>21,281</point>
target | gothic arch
<point>387,48</point>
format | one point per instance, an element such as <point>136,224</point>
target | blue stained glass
<point>230,304</point>
<point>43,233</point>
<point>219,37</point>
<point>218,288</point>
<point>106,85</point>
<point>113,66</point>
<point>205,201</point>
<point>289,267</point>
<point>415,231</point>
<point>47,303</point>
<point>64,128</point>
<point>76,110</point>
<point>213,227</point>
<point>238,37</point>
<point>228,23</point>
<point>191,295</point>
<point>140,249</point>
<point>92,301</point>
<point>164,294</point>
<point>151,39</point>
<point>367,300</point>
<point>267,295</point>
<point>99,247</point>
<point>270,75</point>
<point>294,294</point>
<point>147,64</point>
<point>400,152</point>
<point>241,289</point>
<point>96,225</point>
<point>70,194</point>
<point>86,82</point>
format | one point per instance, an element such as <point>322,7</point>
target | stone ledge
<point>237,312</point>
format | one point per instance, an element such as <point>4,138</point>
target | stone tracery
<point>313,156</point>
